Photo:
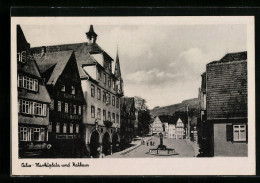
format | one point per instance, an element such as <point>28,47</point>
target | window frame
<point>239,132</point>
<point>92,90</point>
<point>92,111</point>
<point>98,93</point>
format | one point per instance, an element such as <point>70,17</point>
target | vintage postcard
<point>133,95</point>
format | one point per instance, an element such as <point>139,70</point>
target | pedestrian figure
<point>147,143</point>
<point>151,143</point>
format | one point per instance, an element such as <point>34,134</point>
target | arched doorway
<point>106,144</point>
<point>115,142</point>
<point>94,144</point>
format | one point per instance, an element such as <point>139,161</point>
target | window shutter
<point>229,131</point>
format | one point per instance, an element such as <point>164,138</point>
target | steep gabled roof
<point>82,52</point>
<point>58,60</point>
<point>231,57</point>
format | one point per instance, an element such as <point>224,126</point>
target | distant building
<point>180,131</point>
<point>33,101</point>
<point>127,119</point>
<point>194,132</point>
<point>60,72</point>
<point>157,126</point>
<point>102,89</point>
<point>172,131</point>
<point>165,128</point>
<point>226,106</point>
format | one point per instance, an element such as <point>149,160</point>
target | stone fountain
<point>161,149</point>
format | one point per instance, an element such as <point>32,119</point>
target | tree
<point>144,119</point>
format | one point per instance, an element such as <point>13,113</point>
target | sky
<point>160,63</point>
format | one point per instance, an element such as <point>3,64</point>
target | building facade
<point>102,90</point>
<point>157,126</point>
<point>180,131</point>
<point>226,105</point>
<point>60,72</point>
<point>33,102</point>
<point>128,119</point>
<point>172,131</point>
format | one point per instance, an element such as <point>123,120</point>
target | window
<point>77,128</point>
<point>71,128</point>
<point>117,118</point>
<point>62,88</point>
<point>113,117</point>
<point>109,116</point>
<point>109,82</point>
<point>59,105</point>
<point>98,94</point>
<point>105,78</point>
<point>99,113</point>
<point>104,115</point>
<point>44,110</point>
<point>36,134</point>
<point>57,127</point>
<point>21,57</point>
<point>73,90</point>
<point>27,83</point>
<point>117,103</point>
<point>104,96</point>
<point>29,107</point>
<point>36,85</point>
<point>79,110</point>
<point>113,100</point>
<point>23,134</point>
<point>92,91</point>
<point>109,66</point>
<point>113,84</point>
<point>239,132</point>
<point>52,104</point>
<point>92,111</point>
<point>25,107</point>
<point>99,74</point>
<point>64,128</point>
<point>50,127</point>
<point>66,107</point>
<point>74,109</point>
<point>42,137</point>
<point>38,109</point>
<point>108,99</point>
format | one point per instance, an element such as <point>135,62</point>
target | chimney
<point>43,51</point>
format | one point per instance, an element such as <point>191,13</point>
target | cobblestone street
<point>181,147</point>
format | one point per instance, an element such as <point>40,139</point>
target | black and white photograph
<point>112,95</point>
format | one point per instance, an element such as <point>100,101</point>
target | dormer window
<point>109,66</point>
<point>99,74</point>
<point>62,88</point>
<point>21,56</point>
<point>72,90</point>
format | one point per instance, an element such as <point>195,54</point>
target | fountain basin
<point>162,152</point>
